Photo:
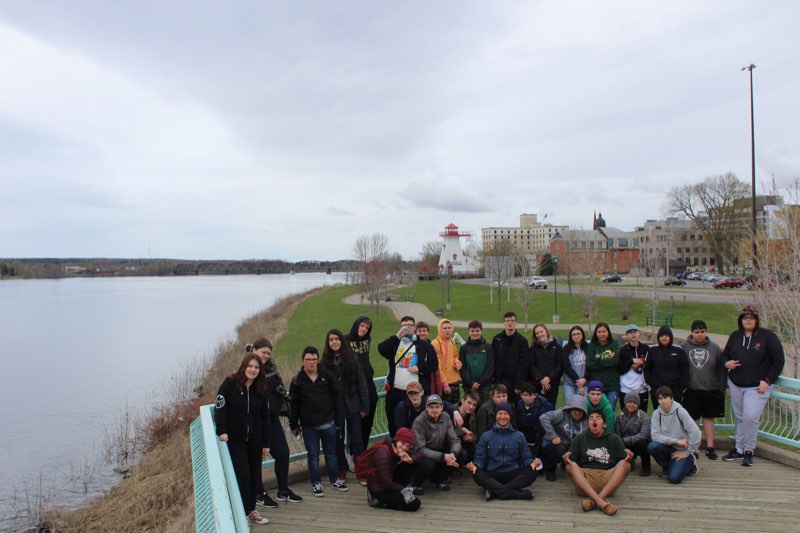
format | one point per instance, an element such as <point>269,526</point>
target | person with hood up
<point>560,427</point>
<point>448,377</point>
<point>360,339</point>
<point>705,396</point>
<point>391,465</point>
<point>675,438</point>
<point>478,362</point>
<point>510,357</point>
<point>545,362</point>
<point>503,464</point>
<point>666,365</point>
<point>754,359</point>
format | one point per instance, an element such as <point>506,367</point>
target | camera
<point>281,391</point>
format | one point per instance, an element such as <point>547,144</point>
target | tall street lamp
<point>750,68</point>
<point>555,289</point>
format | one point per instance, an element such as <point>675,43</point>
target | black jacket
<point>427,360</point>
<point>511,359</point>
<point>274,385</point>
<point>360,346</point>
<point>315,403</point>
<point>546,361</point>
<point>667,366</point>
<point>528,421</point>
<point>356,399</point>
<point>628,353</point>
<point>243,415</point>
<point>761,356</point>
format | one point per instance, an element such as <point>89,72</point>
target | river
<point>75,352</point>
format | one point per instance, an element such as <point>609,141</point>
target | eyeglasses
<point>311,360</point>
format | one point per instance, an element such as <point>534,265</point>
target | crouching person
<point>503,464</point>
<point>436,440</point>
<point>675,438</point>
<point>597,463</point>
<point>560,427</point>
<point>633,425</point>
<point>391,466</point>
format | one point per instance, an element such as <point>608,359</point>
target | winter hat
<point>502,406</point>
<point>752,311</point>
<point>698,324</point>
<point>594,385</point>
<point>404,435</point>
<point>633,397</point>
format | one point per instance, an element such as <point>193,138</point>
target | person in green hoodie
<point>602,361</point>
<point>596,400</point>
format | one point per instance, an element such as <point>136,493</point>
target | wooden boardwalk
<point>721,497</point>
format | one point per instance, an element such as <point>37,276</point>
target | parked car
<point>693,275</point>
<point>682,274</point>
<point>729,283</point>
<point>674,281</point>
<point>611,278</point>
<point>538,283</point>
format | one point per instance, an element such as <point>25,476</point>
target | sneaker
<point>488,496</point>
<point>711,454</point>
<point>351,464</point>
<point>443,486</point>
<point>747,459</point>
<point>664,473</point>
<point>524,494</point>
<point>418,491</point>
<point>371,501</point>
<point>265,501</point>
<point>289,496</point>
<point>550,475</point>
<point>340,485</point>
<point>732,455</point>
<point>256,518</point>
<point>645,472</point>
<point>692,469</point>
<point>316,488</point>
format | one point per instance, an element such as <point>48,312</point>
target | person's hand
<point>762,387</point>
<point>472,468</point>
<point>682,443</point>
<point>476,386</point>
<point>536,464</point>
<point>450,460</point>
<point>733,364</point>
<point>401,332</point>
<point>566,458</point>
<point>457,364</point>
<point>545,381</point>
<point>628,455</point>
<point>224,437</point>
<point>680,454</point>
<point>413,369</point>
<point>458,420</point>
<point>264,453</point>
<point>405,457</point>
<point>295,432</point>
<point>580,383</point>
<point>364,414</point>
<point>556,440</point>
<point>446,389</point>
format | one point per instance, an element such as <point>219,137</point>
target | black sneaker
<point>711,454</point>
<point>664,473</point>
<point>747,459</point>
<point>550,475</point>
<point>692,469</point>
<point>316,488</point>
<point>443,486</point>
<point>732,455</point>
<point>340,485</point>
<point>524,494</point>
<point>289,496</point>
<point>265,501</point>
<point>418,491</point>
<point>645,472</point>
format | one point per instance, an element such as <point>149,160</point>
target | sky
<point>284,130</point>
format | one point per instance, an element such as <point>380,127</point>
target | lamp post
<point>555,289</point>
<point>449,275</point>
<point>750,68</point>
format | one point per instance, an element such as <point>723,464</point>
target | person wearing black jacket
<point>410,359</point>
<point>632,357</point>
<point>754,358</point>
<point>528,410</point>
<point>545,362</point>
<point>510,357</point>
<point>317,409</point>
<point>360,339</point>
<point>241,416</point>
<point>278,406</point>
<point>667,365</point>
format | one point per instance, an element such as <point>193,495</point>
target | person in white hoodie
<point>675,438</point>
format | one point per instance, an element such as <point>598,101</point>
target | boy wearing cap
<point>597,463</point>
<point>414,405</point>
<point>705,396</point>
<point>754,359</point>
<point>675,438</point>
<point>560,427</point>
<point>390,467</point>
<point>436,440</point>
<point>595,399</point>
<point>633,426</point>
<point>632,357</point>
<point>503,465</point>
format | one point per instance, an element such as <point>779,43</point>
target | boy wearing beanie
<point>633,425</point>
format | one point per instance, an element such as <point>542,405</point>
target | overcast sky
<point>259,129</point>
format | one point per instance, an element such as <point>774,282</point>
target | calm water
<point>75,352</point>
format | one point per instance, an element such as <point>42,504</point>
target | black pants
<point>552,394</point>
<point>367,421</point>
<point>395,500</point>
<point>505,485</point>
<point>640,449</point>
<point>246,459</point>
<point>279,450</point>
<point>437,471</point>
<point>393,397</point>
<point>552,455</point>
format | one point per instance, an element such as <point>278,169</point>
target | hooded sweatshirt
<point>360,346</point>
<point>607,409</point>
<point>668,428</point>
<point>707,367</point>
<point>667,365</point>
<point>761,356</point>
<point>447,353</point>
<point>598,453</point>
<point>559,423</point>
<point>602,362</point>
<point>633,427</point>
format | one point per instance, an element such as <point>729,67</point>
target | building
<point>600,249</point>
<point>530,237</point>
<point>453,259</point>
<point>673,241</point>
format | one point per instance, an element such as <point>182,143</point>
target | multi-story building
<point>530,237</point>
<point>673,241</point>
<point>601,249</point>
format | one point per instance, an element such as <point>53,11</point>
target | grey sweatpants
<point>747,406</point>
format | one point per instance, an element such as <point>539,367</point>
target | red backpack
<point>364,461</point>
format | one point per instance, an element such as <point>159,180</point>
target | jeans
<point>676,468</point>
<point>312,438</point>
<point>612,396</point>
<point>569,392</point>
<point>747,406</point>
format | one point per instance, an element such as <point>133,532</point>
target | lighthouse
<point>452,256</point>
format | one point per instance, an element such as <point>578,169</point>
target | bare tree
<point>498,266</point>
<point>626,300</point>
<point>372,253</point>
<point>710,206</point>
<point>429,256</point>
<point>527,293</point>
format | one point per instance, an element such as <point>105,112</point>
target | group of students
<point>489,407</point>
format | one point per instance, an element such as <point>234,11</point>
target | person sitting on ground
<point>597,463</point>
<point>633,425</point>
<point>414,405</point>
<point>466,431</point>
<point>435,438</point>
<point>503,464</point>
<point>528,410</point>
<point>595,399</point>
<point>560,427</point>
<point>391,467</point>
<point>675,438</point>
<point>485,416</point>
<point>477,358</point>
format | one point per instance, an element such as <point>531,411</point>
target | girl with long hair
<point>574,363</point>
<point>602,361</point>
<point>546,362</point>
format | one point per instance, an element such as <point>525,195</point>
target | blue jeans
<point>312,437</point>
<point>676,468</point>
<point>569,392</point>
<point>612,396</point>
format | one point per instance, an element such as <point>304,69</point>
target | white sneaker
<point>256,518</point>
<point>351,464</point>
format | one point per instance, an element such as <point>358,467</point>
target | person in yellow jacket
<point>449,364</point>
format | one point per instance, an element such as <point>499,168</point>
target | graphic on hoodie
<point>699,357</point>
<point>599,455</point>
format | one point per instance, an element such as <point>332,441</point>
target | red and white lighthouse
<point>453,257</point>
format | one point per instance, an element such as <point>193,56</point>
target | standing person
<point>560,427</point>
<point>545,362</point>
<point>754,359</point>
<point>633,425</point>
<point>339,360</point>
<point>705,396</point>
<point>278,406</point>
<point>428,360</point>
<point>390,467</point>
<point>602,361</point>
<point>666,366</point>
<point>360,338</point>
<point>632,357</point>
<point>510,357</point>
<point>317,410</point>
<point>675,438</point>
<point>574,363</point>
<point>241,415</point>
<point>449,363</point>
<point>478,362</point>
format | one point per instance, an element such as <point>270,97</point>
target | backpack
<point>363,462</point>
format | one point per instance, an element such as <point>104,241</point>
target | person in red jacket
<point>391,466</point>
